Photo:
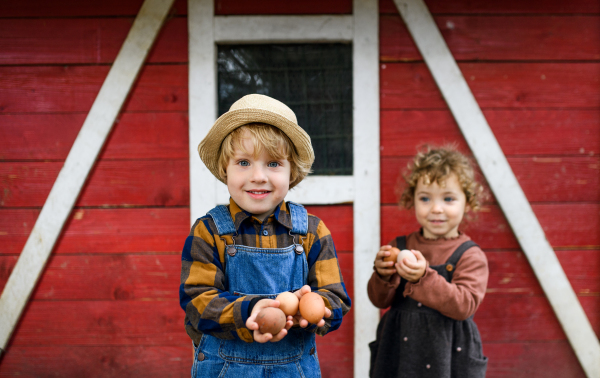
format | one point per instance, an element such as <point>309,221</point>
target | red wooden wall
<point>107,303</point>
<point>534,68</point>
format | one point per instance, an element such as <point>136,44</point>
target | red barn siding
<point>107,302</point>
<point>533,68</point>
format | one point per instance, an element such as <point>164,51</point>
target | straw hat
<point>249,109</point>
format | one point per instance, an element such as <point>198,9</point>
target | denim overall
<point>265,272</point>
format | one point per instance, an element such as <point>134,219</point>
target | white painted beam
<point>366,175</point>
<point>273,29</point>
<point>80,160</point>
<point>503,183</point>
<point>202,103</point>
<point>313,190</point>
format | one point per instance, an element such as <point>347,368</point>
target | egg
<point>312,307</point>
<point>408,255</point>
<point>393,255</point>
<point>288,303</point>
<point>270,320</point>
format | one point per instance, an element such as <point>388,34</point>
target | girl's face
<point>440,210</point>
<point>257,184</point>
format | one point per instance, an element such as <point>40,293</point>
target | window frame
<point>362,189</point>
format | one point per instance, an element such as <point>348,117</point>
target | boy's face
<point>440,210</point>
<point>259,184</point>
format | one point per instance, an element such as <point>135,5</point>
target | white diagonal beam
<point>503,183</point>
<point>79,162</point>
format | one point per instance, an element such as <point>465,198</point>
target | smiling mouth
<point>258,194</point>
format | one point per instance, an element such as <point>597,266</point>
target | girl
<point>429,331</point>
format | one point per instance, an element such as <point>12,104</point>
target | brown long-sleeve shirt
<point>458,299</point>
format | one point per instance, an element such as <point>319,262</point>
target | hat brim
<point>210,147</point>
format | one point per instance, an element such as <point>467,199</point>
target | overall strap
<point>457,254</point>
<point>299,218</point>
<point>401,242</point>
<point>223,221</point>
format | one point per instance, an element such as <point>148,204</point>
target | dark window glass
<point>314,80</point>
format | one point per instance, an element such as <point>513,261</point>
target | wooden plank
<point>97,362</point>
<point>491,230</point>
<point>81,158</point>
<point>135,136</point>
<point>496,85</point>
<point>105,277</point>
<point>518,360</point>
<point>365,147</point>
<point>76,8</point>
<point>48,89</point>
<point>524,223</point>
<point>500,318</point>
<point>510,318</point>
<point>111,183</point>
<point>101,323</point>
<point>510,273</point>
<point>556,132</point>
<point>283,29</point>
<point>332,190</point>
<point>508,7</point>
<point>136,230</point>
<point>143,276</point>
<point>202,102</point>
<point>83,41</point>
<point>500,38</point>
<point>532,359</point>
<point>270,7</point>
<point>543,179</point>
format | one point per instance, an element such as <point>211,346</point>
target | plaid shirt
<point>203,294</point>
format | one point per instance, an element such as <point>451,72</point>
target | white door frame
<point>362,188</point>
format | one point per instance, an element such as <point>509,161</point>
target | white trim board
<point>362,189</point>
<point>273,29</point>
<point>330,190</point>
<point>79,162</point>
<point>503,183</point>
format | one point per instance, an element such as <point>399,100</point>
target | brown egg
<point>408,255</point>
<point>288,303</point>
<point>270,320</point>
<point>312,307</point>
<point>393,255</point>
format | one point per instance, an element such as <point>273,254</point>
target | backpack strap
<point>401,242</point>
<point>299,218</point>
<point>223,221</point>
<point>457,254</point>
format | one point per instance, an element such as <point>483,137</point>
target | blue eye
<point>448,199</point>
<point>424,199</point>
<point>273,164</point>
<point>244,163</point>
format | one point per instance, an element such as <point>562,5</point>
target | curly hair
<point>435,164</point>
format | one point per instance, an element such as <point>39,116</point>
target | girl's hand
<point>385,269</point>
<point>298,319</point>
<point>252,325</point>
<point>412,271</point>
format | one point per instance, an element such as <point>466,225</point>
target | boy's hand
<point>385,269</point>
<point>298,319</point>
<point>412,271</point>
<point>252,325</point>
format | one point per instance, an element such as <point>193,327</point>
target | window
<point>314,80</point>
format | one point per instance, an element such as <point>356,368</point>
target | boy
<point>238,258</point>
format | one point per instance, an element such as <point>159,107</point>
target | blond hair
<point>267,137</point>
<point>436,164</point>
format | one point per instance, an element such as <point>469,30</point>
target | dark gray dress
<point>417,341</point>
